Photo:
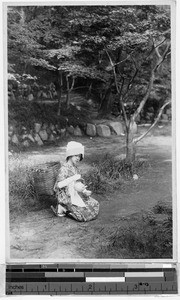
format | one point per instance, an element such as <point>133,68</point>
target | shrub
<point>100,182</point>
<point>107,174</point>
<point>162,208</point>
<point>21,192</point>
<point>22,195</point>
<point>27,113</point>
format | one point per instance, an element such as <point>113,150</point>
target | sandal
<point>57,214</point>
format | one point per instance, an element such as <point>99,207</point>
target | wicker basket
<point>44,177</point>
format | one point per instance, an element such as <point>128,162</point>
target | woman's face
<point>75,159</point>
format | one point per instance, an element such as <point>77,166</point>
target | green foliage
<point>41,63</point>
<point>63,53</point>
<point>27,113</point>
<point>74,40</point>
<point>108,174</point>
<point>162,208</point>
<point>77,70</point>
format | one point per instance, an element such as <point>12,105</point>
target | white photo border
<point>175,127</point>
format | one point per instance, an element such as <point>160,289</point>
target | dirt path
<point>41,235</point>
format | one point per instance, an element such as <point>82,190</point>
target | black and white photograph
<point>90,131</point>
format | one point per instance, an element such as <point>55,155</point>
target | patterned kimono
<point>83,214</point>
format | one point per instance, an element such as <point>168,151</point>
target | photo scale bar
<point>92,288</point>
<point>105,279</point>
<point>88,268</point>
<point>89,279</point>
<point>11,275</point>
<point>120,282</point>
<point>87,276</point>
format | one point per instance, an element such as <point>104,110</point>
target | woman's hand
<point>68,181</point>
<point>76,177</point>
<point>87,192</point>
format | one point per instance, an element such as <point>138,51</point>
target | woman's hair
<point>81,157</point>
<point>80,180</point>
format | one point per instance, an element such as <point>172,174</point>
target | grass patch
<point>159,130</point>
<point>163,129</point>
<point>143,235</point>
<point>22,194</point>
<point>107,174</point>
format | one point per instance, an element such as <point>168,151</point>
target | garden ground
<point>38,234</point>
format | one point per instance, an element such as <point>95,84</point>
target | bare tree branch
<point>122,85</point>
<point>118,63</point>
<point>69,89</point>
<point>72,85</point>
<point>118,91</point>
<point>132,78</point>
<point>80,87</point>
<point>60,92</point>
<point>162,57</point>
<point>67,81</point>
<point>156,48</point>
<point>126,57</point>
<point>168,53</point>
<point>113,68</point>
<point>157,119</point>
<point>158,63</point>
<point>141,105</point>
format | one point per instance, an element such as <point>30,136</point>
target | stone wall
<point>42,134</point>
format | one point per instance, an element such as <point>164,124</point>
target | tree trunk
<point>130,142</point>
<point>130,145</point>
<point>67,99</point>
<point>68,93</point>
<point>69,90</point>
<point>107,101</point>
<point>59,74</point>
<point>106,104</point>
<point>59,103</point>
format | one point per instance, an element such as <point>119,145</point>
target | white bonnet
<point>74,148</point>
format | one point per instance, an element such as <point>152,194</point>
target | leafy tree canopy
<point>76,40</point>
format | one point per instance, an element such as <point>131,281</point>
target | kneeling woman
<point>80,206</point>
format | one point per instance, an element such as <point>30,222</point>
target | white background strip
<point>105,279</point>
<point>144,274</point>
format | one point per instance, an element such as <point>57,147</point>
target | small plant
<point>108,174</point>
<point>100,182</point>
<point>162,208</point>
